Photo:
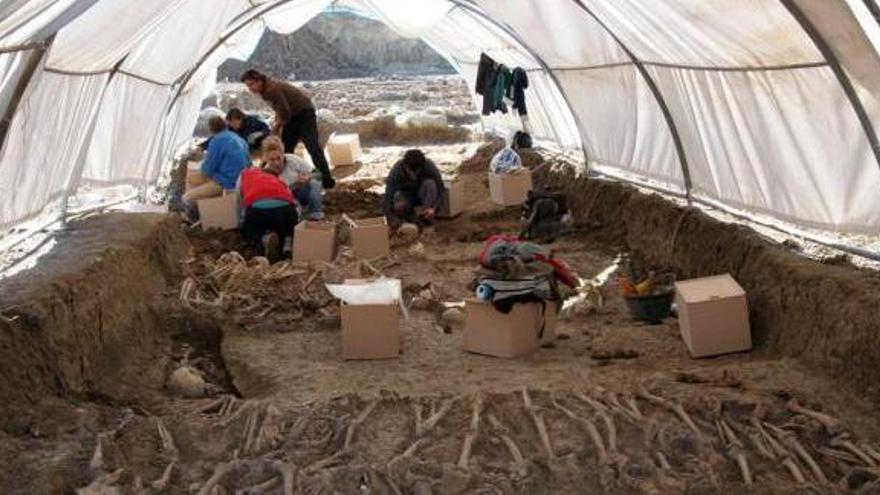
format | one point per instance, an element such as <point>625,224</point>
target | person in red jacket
<point>269,208</point>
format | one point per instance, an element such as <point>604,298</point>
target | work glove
<point>327,181</point>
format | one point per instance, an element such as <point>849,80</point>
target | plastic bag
<point>505,161</point>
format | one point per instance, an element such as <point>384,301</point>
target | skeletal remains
<point>310,449</point>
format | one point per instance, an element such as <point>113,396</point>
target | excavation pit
<point>90,338</point>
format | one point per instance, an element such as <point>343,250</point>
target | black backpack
<point>521,140</point>
<point>543,214</point>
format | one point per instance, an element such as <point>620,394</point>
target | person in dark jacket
<point>295,118</point>
<point>250,127</point>
<point>414,190</point>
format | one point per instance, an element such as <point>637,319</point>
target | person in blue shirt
<point>226,157</point>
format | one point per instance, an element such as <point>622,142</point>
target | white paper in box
<point>381,291</point>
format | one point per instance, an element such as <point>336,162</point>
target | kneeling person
<point>248,127</point>
<point>299,176</point>
<point>269,210</point>
<point>226,157</point>
<point>413,190</point>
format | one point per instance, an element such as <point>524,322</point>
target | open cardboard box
<point>343,149</point>
<point>518,333</point>
<point>453,201</point>
<point>314,241</point>
<point>370,318</point>
<point>220,212</point>
<point>369,237</point>
<point>511,188</point>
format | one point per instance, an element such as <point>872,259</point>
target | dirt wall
<point>824,315</point>
<point>82,312</point>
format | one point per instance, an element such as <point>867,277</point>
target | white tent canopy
<point>764,106</point>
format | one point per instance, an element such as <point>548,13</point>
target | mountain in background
<point>337,45</point>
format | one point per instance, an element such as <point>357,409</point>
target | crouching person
<point>226,157</point>
<point>413,190</point>
<point>269,210</point>
<point>299,176</point>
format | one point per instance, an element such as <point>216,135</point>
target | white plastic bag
<point>505,161</point>
<point>382,291</point>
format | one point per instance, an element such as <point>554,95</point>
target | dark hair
<point>414,159</point>
<point>253,75</point>
<point>235,113</point>
<point>216,124</point>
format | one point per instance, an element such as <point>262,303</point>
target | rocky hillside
<point>337,45</point>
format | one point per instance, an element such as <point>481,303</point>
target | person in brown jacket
<point>295,118</point>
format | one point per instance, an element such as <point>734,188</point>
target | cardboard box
<point>510,189</point>
<point>370,331</point>
<point>713,316</point>
<point>343,149</point>
<point>220,212</point>
<point>314,241</point>
<point>491,332</point>
<point>369,238</point>
<point>453,202</point>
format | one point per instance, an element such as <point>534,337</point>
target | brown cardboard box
<point>314,241</point>
<point>220,212</point>
<point>369,238</point>
<point>370,331</point>
<point>713,316</point>
<point>510,189</point>
<point>453,202</point>
<point>343,149</point>
<point>491,332</point>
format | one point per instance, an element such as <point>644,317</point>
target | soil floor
<point>609,406</point>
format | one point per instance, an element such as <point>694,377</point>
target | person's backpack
<point>544,215</point>
<point>521,140</point>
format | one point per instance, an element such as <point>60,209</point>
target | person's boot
<point>272,247</point>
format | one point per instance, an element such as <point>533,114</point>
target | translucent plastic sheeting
<point>130,116</point>
<point>21,20</point>
<point>180,40</point>
<point>99,38</point>
<point>465,36</point>
<point>46,137</point>
<point>785,142</point>
<point>240,45</point>
<point>10,74</point>
<point>720,33</point>
<point>293,15</point>
<point>621,123</point>
<point>408,18</point>
<point>561,32</point>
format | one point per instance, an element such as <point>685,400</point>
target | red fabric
<point>483,257</point>
<point>257,185</point>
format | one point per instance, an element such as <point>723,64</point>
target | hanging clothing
<point>503,79</point>
<point>517,90</point>
<point>487,72</point>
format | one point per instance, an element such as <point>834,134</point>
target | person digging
<point>295,118</point>
<point>413,191</point>
<point>270,212</point>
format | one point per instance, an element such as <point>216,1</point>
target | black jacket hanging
<point>517,91</point>
<point>487,72</point>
